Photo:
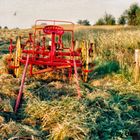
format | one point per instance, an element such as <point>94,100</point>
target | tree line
<point>131,16</point>
<point>5,27</point>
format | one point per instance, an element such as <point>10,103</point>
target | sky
<point>23,13</point>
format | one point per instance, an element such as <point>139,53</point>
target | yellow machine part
<point>17,57</point>
<point>86,58</point>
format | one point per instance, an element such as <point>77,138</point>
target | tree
<point>138,17</point>
<point>107,19</point>
<point>79,21</point>
<point>0,27</point>
<point>100,21</point>
<point>84,22</point>
<point>5,27</point>
<point>133,14</point>
<point>122,20</point>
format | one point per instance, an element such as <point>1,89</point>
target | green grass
<point>103,69</point>
<point>4,48</point>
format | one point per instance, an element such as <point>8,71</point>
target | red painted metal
<point>53,56</point>
<point>51,29</point>
<point>87,71</point>
<point>54,53</point>
<point>21,86</point>
<point>11,47</point>
<point>45,47</point>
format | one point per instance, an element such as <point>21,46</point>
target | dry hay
<point>57,85</point>
<point>117,82</point>
<point>61,119</point>
<point>1,120</point>
<point>5,106</point>
<point>9,85</point>
<point>6,34</point>
<point>98,93</point>
<point>3,65</point>
<point>86,118</point>
<point>48,90</point>
<point>12,131</point>
<point>3,69</point>
<point>52,75</point>
<point>109,81</point>
<point>105,27</point>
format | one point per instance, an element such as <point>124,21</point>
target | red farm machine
<point>53,47</point>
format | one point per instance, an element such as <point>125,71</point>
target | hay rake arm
<point>21,86</point>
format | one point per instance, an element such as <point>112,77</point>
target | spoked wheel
<point>16,58</point>
<point>85,59</point>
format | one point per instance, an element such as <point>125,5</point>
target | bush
<point>122,20</point>
<point>84,22</point>
<point>132,14</point>
<point>5,27</point>
<point>100,22</point>
<point>107,19</point>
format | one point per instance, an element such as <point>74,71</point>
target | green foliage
<point>4,47</point>
<point>100,22</point>
<point>84,22</point>
<point>107,19</point>
<point>122,20</point>
<point>105,68</point>
<point>5,27</point>
<point>138,16</point>
<point>132,15</point>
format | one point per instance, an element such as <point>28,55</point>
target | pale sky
<point>27,11</point>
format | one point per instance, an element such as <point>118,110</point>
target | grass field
<point>110,105</point>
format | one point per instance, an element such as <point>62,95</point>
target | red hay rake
<point>47,48</point>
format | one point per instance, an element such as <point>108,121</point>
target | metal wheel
<point>17,56</point>
<point>85,59</point>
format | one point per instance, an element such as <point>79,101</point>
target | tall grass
<point>114,44</point>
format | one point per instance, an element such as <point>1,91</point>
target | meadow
<point>110,105</point>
